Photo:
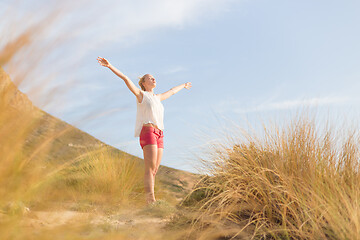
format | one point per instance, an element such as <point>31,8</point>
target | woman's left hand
<point>187,85</point>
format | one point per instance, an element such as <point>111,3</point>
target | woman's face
<point>150,82</point>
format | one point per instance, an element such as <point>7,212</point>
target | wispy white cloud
<point>233,106</point>
<point>175,69</point>
<point>131,20</point>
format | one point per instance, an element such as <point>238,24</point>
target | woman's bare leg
<point>150,158</point>
<point>158,160</point>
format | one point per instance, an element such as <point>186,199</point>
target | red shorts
<point>151,135</point>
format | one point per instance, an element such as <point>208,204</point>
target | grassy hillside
<point>46,137</point>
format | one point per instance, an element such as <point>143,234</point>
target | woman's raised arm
<point>135,90</point>
<point>174,90</point>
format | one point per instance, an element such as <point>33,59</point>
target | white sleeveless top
<point>150,110</point>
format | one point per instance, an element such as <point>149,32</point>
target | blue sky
<point>248,61</point>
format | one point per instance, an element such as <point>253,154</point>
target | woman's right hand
<point>103,62</point>
<point>187,85</point>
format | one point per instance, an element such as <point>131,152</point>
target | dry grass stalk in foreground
<point>27,177</point>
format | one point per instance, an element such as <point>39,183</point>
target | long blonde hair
<point>142,80</point>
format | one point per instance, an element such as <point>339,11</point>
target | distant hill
<point>68,144</point>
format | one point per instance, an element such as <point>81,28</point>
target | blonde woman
<point>149,122</point>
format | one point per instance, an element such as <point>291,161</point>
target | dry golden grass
<point>294,182</point>
<point>101,176</point>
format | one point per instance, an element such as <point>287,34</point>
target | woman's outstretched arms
<point>135,90</point>
<point>174,90</point>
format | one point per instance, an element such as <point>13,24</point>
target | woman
<point>149,122</point>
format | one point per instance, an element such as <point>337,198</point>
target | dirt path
<point>146,219</point>
<point>51,219</point>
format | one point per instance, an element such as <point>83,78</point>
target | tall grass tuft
<point>103,176</point>
<point>294,182</point>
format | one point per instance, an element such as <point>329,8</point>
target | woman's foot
<point>150,201</point>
